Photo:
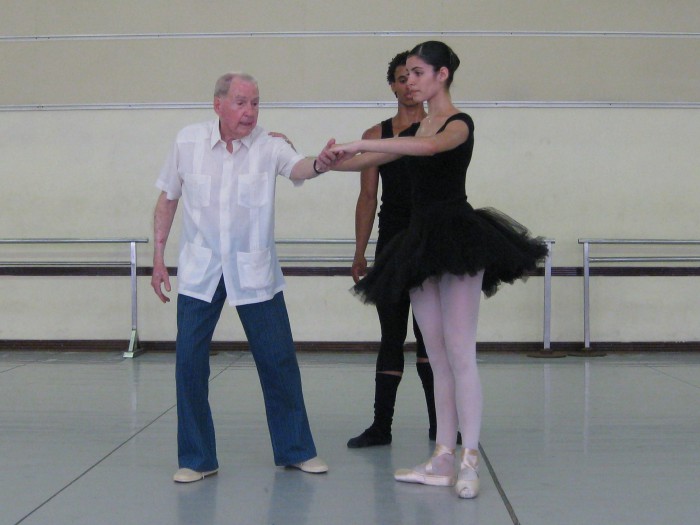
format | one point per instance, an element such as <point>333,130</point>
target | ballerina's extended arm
<point>366,153</point>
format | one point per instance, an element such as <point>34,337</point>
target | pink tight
<point>447,310</point>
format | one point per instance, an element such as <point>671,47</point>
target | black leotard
<point>446,235</point>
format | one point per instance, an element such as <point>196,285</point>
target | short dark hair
<point>398,60</point>
<point>437,54</point>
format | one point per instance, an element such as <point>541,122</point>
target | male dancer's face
<point>400,87</point>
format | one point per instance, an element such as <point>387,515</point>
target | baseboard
<point>117,345</point>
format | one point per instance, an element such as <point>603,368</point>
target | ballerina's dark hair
<point>437,54</point>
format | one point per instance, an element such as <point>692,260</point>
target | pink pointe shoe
<point>438,471</point>
<point>467,485</point>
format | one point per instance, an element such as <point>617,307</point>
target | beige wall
<point>587,119</point>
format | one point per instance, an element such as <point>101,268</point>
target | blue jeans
<point>266,325</point>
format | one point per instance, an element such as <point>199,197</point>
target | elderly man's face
<point>238,110</point>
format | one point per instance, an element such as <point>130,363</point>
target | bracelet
<point>316,170</point>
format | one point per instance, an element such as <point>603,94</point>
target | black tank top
<point>395,206</point>
<point>441,177</point>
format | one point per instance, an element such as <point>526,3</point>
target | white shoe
<point>438,471</point>
<point>187,475</point>
<point>313,466</point>
<point>467,485</point>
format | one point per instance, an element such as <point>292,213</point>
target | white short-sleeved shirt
<point>228,211</point>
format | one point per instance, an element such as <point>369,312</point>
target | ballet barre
<point>319,258</point>
<point>295,265</point>
<point>53,267</point>
<point>589,260</point>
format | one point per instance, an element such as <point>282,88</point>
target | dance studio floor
<point>89,438</point>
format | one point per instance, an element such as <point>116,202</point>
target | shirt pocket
<point>255,269</point>
<point>193,263</point>
<point>253,190</point>
<point>198,189</point>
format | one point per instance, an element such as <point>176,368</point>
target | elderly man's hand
<point>159,277</point>
<point>326,159</point>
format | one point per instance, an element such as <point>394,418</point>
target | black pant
<point>393,318</point>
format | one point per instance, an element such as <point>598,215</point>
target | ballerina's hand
<point>345,151</point>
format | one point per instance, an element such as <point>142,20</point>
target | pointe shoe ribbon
<point>467,485</point>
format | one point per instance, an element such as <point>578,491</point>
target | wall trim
<point>345,34</point>
<point>117,345</point>
<point>350,104</point>
<point>8,269</point>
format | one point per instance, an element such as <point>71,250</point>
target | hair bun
<point>454,61</point>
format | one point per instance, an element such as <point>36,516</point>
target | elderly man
<point>225,172</point>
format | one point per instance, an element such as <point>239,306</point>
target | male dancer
<point>394,216</point>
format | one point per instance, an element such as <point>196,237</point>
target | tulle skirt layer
<point>452,237</point>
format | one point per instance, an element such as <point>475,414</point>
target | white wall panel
<point>626,170</point>
<point>526,68</point>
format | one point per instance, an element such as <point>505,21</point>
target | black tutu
<point>452,237</point>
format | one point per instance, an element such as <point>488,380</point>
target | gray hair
<point>224,82</point>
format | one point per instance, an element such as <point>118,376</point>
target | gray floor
<point>89,438</point>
